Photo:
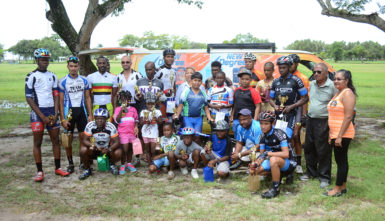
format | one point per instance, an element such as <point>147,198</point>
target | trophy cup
<point>172,82</point>
<point>253,156</point>
<point>149,85</point>
<point>146,114</point>
<point>220,97</point>
<point>153,117</point>
<point>282,100</point>
<point>182,152</point>
<point>209,145</point>
<point>174,110</point>
<point>64,135</point>
<point>137,91</point>
<point>157,147</point>
<point>120,85</point>
<point>253,179</point>
<point>92,140</point>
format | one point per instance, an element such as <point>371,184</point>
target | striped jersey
<point>101,85</point>
<point>193,104</point>
<point>73,89</point>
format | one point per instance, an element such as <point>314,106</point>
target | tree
<point>308,45</point>
<point>350,10</point>
<point>245,38</point>
<point>96,11</point>
<point>336,50</point>
<point>1,52</point>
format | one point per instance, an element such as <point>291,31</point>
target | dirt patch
<point>370,128</point>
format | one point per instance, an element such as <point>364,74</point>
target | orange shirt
<point>304,79</point>
<point>336,117</point>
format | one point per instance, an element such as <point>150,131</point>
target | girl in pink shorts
<point>127,119</point>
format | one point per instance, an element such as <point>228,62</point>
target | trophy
<point>253,156</point>
<point>149,85</point>
<point>157,147</point>
<point>282,100</point>
<point>209,145</point>
<point>182,152</point>
<point>172,81</point>
<point>146,115</point>
<point>220,97</point>
<point>120,85</point>
<point>137,91</point>
<point>64,135</point>
<point>174,110</point>
<point>153,117</point>
<point>253,179</point>
<point>92,140</point>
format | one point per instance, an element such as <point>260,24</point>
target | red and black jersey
<point>245,98</point>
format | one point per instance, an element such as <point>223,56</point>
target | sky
<point>279,21</point>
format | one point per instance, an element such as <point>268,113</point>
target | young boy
<point>220,152</point>
<point>245,97</point>
<point>188,152</point>
<point>276,155</point>
<point>167,145</point>
<point>193,102</point>
<point>263,86</point>
<point>220,98</point>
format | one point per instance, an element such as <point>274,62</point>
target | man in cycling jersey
<point>74,96</point>
<point>106,141</point>
<point>42,95</point>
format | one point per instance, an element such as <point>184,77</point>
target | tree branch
<point>372,19</point>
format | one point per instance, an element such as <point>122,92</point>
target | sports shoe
<point>304,178</point>
<point>39,177</point>
<point>298,169</point>
<point>122,170</point>
<point>114,170</point>
<point>271,193</point>
<point>171,175</point>
<point>61,172</point>
<point>184,170</point>
<point>131,167</point>
<point>236,165</point>
<point>324,184</point>
<point>85,175</point>
<point>71,168</point>
<point>194,173</point>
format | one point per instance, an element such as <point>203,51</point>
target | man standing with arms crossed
<point>41,92</point>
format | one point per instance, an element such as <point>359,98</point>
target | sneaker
<point>81,166</point>
<point>131,167</point>
<point>184,170</point>
<point>236,165</point>
<point>271,193</point>
<point>171,175</point>
<point>39,177</point>
<point>135,161</point>
<point>304,178</point>
<point>85,175</point>
<point>61,172</point>
<point>194,173</point>
<point>114,170</point>
<point>71,168</point>
<point>298,169</point>
<point>122,170</point>
<point>324,184</point>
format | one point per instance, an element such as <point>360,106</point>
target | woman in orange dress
<point>341,112</point>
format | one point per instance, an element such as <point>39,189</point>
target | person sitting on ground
<point>167,145</point>
<point>106,142</point>
<point>188,152</point>
<point>126,117</point>
<point>220,152</point>
<point>248,133</point>
<point>149,119</point>
<point>276,155</point>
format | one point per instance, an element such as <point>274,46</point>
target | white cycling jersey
<point>41,87</point>
<point>73,89</point>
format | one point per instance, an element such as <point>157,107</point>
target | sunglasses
<point>73,58</point>
<point>339,79</point>
<point>125,62</point>
<point>317,72</point>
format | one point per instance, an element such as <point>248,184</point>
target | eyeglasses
<point>125,62</point>
<point>73,58</point>
<point>317,72</point>
<point>339,79</point>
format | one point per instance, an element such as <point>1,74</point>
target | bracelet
<point>62,120</point>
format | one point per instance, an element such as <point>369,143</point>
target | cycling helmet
<point>267,116</point>
<point>101,112</point>
<point>285,60</point>
<point>250,56</point>
<point>188,131</point>
<point>41,53</point>
<point>222,125</point>
<point>168,51</point>
<point>150,97</point>
<point>295,58</point>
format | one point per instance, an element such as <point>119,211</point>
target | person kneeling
<point>276,155</point>
<point>218,152</point>
<point>101,132</point>
<point>188,152</point>
<point>167,145</point>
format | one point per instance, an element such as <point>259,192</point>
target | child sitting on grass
<point>167,145</point>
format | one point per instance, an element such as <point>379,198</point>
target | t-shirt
<point>128,84</point>
<point>222,96</point>
<point>150,130</point>
<point>127,121</point>
<point>221,147</point>
<point>168,143</point>
<point>193,103</point>
<point>41,87</point>
<point>292,87</point>
<point>210,82</point>
<point>264,88</point>
<point>187,149</point>
<point>103,136</point>
<point>251,136</point>
<point>304,79</point>
<point>73,89</point>
<point>180,90</point>
<point>164,74</point>
<point>245,98</point>
<point>144,87</point>
<point>274,141</point>
<point>102,85</point>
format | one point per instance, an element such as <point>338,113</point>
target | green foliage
<point>1,52</point>
<point>152,41</point>
<point>313,46</point>
<point>245,38</point>
<point>354,6</point>
<point>336,50</point>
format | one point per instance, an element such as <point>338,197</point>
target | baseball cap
<point>243,71</point>
<point>245,112</point>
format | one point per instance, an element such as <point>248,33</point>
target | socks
<point>70,160</point>
<point>57,163</point>
<point>39,167</point>
<point>299,160</point>
<point>276,185</point>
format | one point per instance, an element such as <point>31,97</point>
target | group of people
<point>111,112</point>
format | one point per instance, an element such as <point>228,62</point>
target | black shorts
<point>79,118</point>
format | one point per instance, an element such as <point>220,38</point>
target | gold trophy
<point>254,179</point>
<point>150,85</point>
<point>146,115</point>
<point>220,97</point>
<point>182,152</point>
<point>282,100</point>
<point>153,114</point>
<point>253,155</point>
<point>174,110</point>
<point>172,81</point>
<point>209,145</point>
<point>64,135</point>
<point>92,140</point>
<point>120,85</point>
<point>157,147</point>
<point>137,91</point>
